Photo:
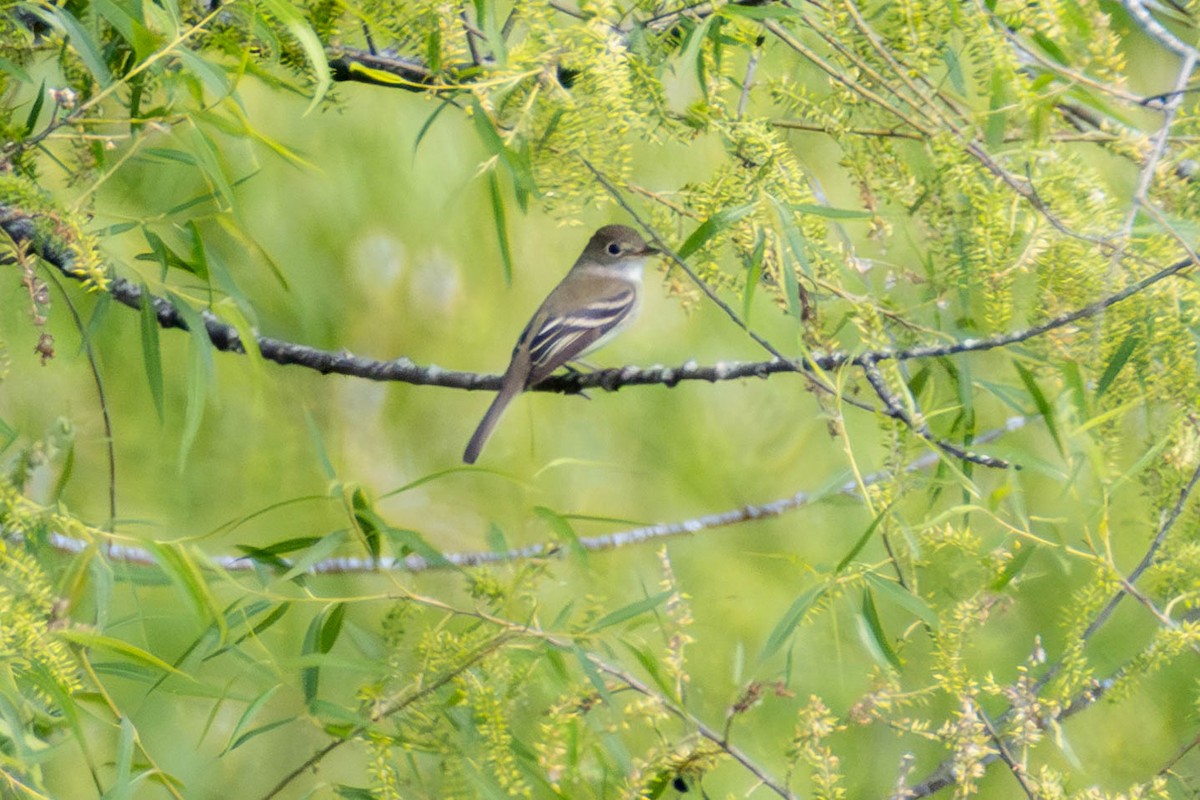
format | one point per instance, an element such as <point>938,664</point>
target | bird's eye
<point>614,249</point>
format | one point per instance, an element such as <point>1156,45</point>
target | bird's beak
<point>649,251</point>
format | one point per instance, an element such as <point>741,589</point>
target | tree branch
<point>608,541</point>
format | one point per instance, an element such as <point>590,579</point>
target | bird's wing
<point>557,339</point>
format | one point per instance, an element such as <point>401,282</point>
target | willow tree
<point>930,271</point>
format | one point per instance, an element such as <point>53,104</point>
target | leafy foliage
<point>853,183</point>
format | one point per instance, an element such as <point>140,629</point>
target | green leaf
<point>97,641</point>
<point>796,242</point>
<point>715,224</point>
<point>562,529</point>
<point>200,374</point>
<point>1039,400</point>
<point>211,75</point>
<point>954,70</point>
<point>753,274</point>
<point>634,609</point>
<point>872,632</point>
<point>1014,566</point>
<point>446,103</point>
<point>208,161</point>
<point>905,599</point>
<point>517,163</point>
<point>593,675</point>
<point>178,562</point>
<point>784,628</point>
<point>829,212</point>
<point>862,540</point>
<point>260,730</point>
<point>88,49</point>
<point>318,552</point>
<point>10,68</point>
<point>151,353</point>
<point>1119,357</point>
<point>310,677</point>
<point>406,541</point>
<point>997,118</point>
<point>499,220</point>
<point>314,435</point>
<point>36,109</point>
<point>122,785</point>
<point>310,43</point>
<point>247,715</point>
<point>332,627</point>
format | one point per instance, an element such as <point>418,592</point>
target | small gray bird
<point>595,300</point>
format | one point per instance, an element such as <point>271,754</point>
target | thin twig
<point>1017,770</point>
<point>1159,145</point>
<point>1156,31</point>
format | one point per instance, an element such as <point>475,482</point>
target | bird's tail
<point>505,396</point>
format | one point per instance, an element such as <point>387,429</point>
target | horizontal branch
<point>609,541</point>
<point>224,337</point>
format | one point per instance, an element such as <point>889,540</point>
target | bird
<point>598,296</point>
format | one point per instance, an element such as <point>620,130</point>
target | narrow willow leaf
<point>715,224</point>
<point>88,49</point>
<point>318,441</point>
<point>208,161</point>
<point>10,68</point>
<point>429,124</point>
<point>872,633</point>
<point>1014,566</point>
<point>310,677</point>
<point>200,374</point>
<point>634,609</point>
<point>97,641</point>
<point>332,628</point>
<point>323,548</point>
<point>211,75</point>
<point>562,529</point>
<point>253,708</point>
<point>997,118</point>
<point>1116,363</point>
<point>753,274</point>
<point>954,70</point>
<point>499,220</point>
<point>862,540</point>
<point>787,624</point>
<point>178,561</point>
<point>151,353</point>
<point>36,109</point>
<point>169,154</point>
<point>259,731</point>
<point>796,243</point>
<point>649,662</point>
<point>905,599</point>
<point>310,43</point>
<point>691,51</point>
<point>405,541</point>
<point>1041,403</point>
<point>593,675</point>
<point>370,524</point>
<point>122,785</point>
<point>829,212</point>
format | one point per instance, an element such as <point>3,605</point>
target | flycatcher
<point>598,297</point>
